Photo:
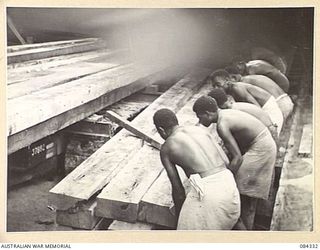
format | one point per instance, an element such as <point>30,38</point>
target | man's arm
<point>232,146</point>
<point>178,192</point>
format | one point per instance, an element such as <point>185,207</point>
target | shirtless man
<point>252,149</point>
<point>284,101</point>
<point>260,67</point>
<point>208,205</point>
<point>244,92</point>
<point>224,103</point>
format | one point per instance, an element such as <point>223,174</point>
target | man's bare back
<point>260,67</point>
<point>242,126</point>
<point>193,149</point>
<point>243,91</point>
<point>263,82</point>
<point>254,111</point>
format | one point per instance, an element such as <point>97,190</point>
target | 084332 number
<point>310,245</point>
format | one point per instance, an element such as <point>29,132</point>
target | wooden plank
<point>59,107</point>
<point>122,225</point>
<point>15,48</point>
<point>120,199</point>
<point>136,131</point>
<point>51,102</point>
<point>62,64</point>
<point>157,206</point>
<point>57,77</point>
<point>93,174</point>
<point>17,71</point>
<point>305,148</point>
<point>39,53</point>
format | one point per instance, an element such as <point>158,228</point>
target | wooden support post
<point>15,31</point>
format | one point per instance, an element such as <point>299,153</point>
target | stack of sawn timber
<point>53,85</point>
<point>124,179</point>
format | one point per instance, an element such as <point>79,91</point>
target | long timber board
<point>99,169</point>
<point>60,106</point>
<point>39,53</point>
<point>16,48</point>
<point>31,70</point>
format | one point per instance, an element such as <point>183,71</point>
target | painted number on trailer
<point>39,149</point>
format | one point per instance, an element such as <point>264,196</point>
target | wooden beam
<point>59,107</point>
<point>120,199</point>
<point>18,72</point>
<point>16,48</point>
<point>40,53</point>
<point>62,65</point>
<point>99,169</point>
<point>57,77</point>
<point>136,131</point>
<point>157,206</point>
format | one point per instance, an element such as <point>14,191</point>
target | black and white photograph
<point>139,119</point>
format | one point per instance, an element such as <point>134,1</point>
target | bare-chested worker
<point>224,103</point>
<point>283,99</point>
<point>252,149</point>
<point>260,67</point>
<point>261,53</point>
<point>208,205</point>
<point>244,92</point>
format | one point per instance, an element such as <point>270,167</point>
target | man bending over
<point>209,204</point>
<point>224,103</point>
<point>252,150</point>
<point>244,92</point>
<point>260,67</point>
<point>283,99</point>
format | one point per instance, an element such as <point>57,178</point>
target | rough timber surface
<point>99,169</point>
<point>18,72</point>
<point>39,53</point>
<point>16,48</point>
<point>57,77</point>
<point>58,107</point>
<point>43,71</point>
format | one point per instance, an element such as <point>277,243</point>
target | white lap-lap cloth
<point>274,112</point>
<point>213,203</point>
<point>255,173</point>
<point>285,104</point>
